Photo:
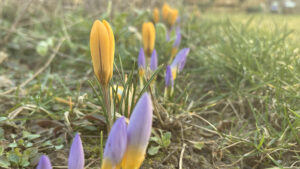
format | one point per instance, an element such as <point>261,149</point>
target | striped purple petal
<point>139,128</point>
<point>180,59</point>
<point>44,163</point>
<point>169,77</point>
<point>76,155</point>
<point>141,59</point>
<point>116,143</point>
<point>153,62</point>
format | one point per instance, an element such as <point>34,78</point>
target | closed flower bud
<point>172,16</point>
<point>138,133</point>
<point>76,155</point>
<point>165,11</point>
<point>148,32</point>
<point>155,15</point>
<point>179,61</point>
<point>44,163</point>
<point>169,82</point>
<point>153,61</point>
<point>102,45</point>
<point>115,146</point>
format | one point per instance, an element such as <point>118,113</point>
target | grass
<point>236,103</point>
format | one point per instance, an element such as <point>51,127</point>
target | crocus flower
<point>102,45</point>
<point>165,11</point>
<point>176,42</point>
<point>179,61</point>
<point>44,163</point>
<point>76,155</point>
<point>138,133</point>
<point>169,77</point>
<point>148,32</point>
<point>141,62</point>
<point>115,146</point>
<point>155,15</point>
<point>172,17</point>
<point>153,62</point>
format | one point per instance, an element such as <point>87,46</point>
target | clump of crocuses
<point>76,156</point>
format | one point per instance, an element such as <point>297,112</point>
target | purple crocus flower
<point>178,38</point>
<point>116,144</point>
<point>76,156</point>
<point>169,77</point>
<point>153,62</point>
<point>180,59</point>
<point>141,59</point>
<point>44,163</point>
<point>138,133</point>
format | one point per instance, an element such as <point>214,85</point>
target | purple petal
<point>76,156</point>
<point>116,143</point>
<point>141,59</point>
<point>153,62</point>
<point>178,38</point>
<point>169,77</point>
<point>139,128</point>
<point>180,59</point>
<point>44,163</point>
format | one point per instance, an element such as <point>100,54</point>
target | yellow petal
<point>102,51</point>
<point>148,32</point>
<point>111,45</point>
<point>165,11</point>
<point>133,158</point>
<point>106,164</point>
<point>174,72</point>
<point>173,13</point>
<point>155,15</point>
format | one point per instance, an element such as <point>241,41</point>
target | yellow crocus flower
<point>148,32</point>
<point>165,11</point>
<point>102,45</point>
<point>155,15</point>
<point>173,13</point>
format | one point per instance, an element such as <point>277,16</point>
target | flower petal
<point>153,62</point>
<point>76,155</point>
<point>44,163</point>
<point>116,144</point>
<point>138,133</point>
